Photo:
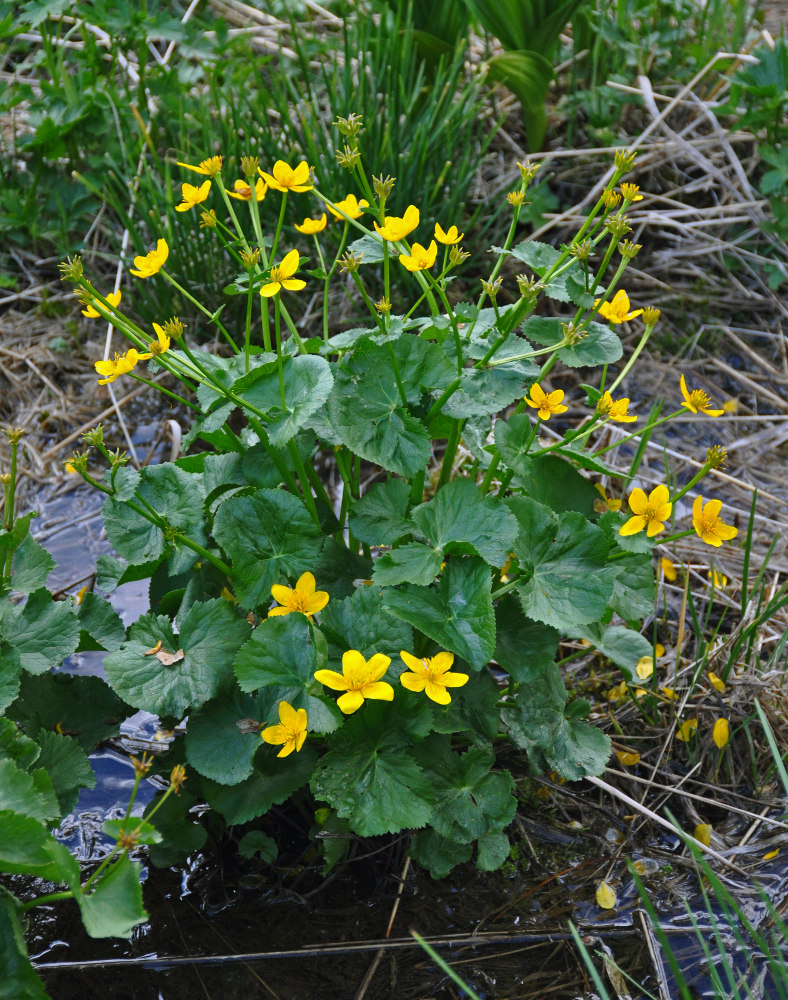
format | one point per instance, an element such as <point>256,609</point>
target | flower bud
<point>71,269</point>
<point>381,187</point>
<point>624,160</point>
<point>348,157</point>
<point>651,315</point>
<point>628,249</point>
<point>350,262</point>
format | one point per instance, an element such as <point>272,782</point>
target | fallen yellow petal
<point>771,854</point>
<point>627,757</point>
<point>645,667</point>
<point>605,896</point>
<point>721,734</point>
<point>717,682</point>
<point>703,833</point>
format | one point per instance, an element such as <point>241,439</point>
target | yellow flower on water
<point>546,403</point>
<point>282,276</point>
<point>112,297</point>
<point>309,227</point>
<point>449,238</point>
<point>717,682</point>
<point>193,195</point>
<point>645,667</point>
<point>359,680</point>
<point>242,190</point>
<point>606,503</point>
<point>291,731</point>
<point>707,524</point>
<point>285,178</point>
<point>421,258</point>
<point>703,833</point>
<point>152,262</point>
<point>605,896</point>
<point>162,342</point>
<point>350,206</point>
<point>431,675</point>
<point>721,733</point>
<point>697,401</point>
<point>121,364</point>
<point>303,598</point>
<point>719,580</point>
<point>617,310</point>
<point>628,758</point>
<point>208,168</point>
<point>614,410</point>
<point>395,228</point>
<point>687,730</point>
<point>668,569</point>
<point>771,854</point>
<point>650,512</point>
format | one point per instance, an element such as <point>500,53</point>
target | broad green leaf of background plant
<point>27,793</point>
<point>373,422</point>
<point>210,635</point>
<point>461,519</point>
<point>541,257</point>
<point>113,907</point>
<point>422,366</point>
<point>469,799</point>
<point>67,765</point>
<point>473,709</point>
<point>30,566</point>
<point>622,645</point>
<point>43,632</point>
<point>181,834</point>
<point>437,854</point>
<point>273,780</point>
<point>10,669</point>
<point>371,780</point>
<point>524,648</point>
<point>363,622</point>
<point>175,496</point>
<point>270,538</point>
<point>101,626</point>
<point>484,391</point>
<point>27,848</point>
<point>17,747</point>
<point>561,559</point>
<point>380,516</point>
<point>414,563</point>
<point>634,588</point>
<point>458,616</point>
<point>600,346</point>
<point>307,380</point>
<point>18,977</point>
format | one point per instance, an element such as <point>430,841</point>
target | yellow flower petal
<point>605,896</point>
<point>721,733</point>
<point>703,833</point>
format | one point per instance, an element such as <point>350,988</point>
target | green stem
<point>213,318</point>
<point>641,344</point>
<point>638,433</point>
<point>451,450</point>
<point>166,392</point>
<point>309,500</point>
<point>279,225</point>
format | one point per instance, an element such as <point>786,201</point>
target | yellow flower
<point>162,342</point>
<point>717,682</point>
<point>721,733</point>
<point>421,258</point>
<point>284,178</point>
<point>687,730</point>
<point>359,680</point>
<point>112,297</point>
<point>119,365</point>
<point>650,512</point>
<point>617,410</point>
<point>703,833</point>
<point>617,310</point>
<point>282,276</point>
<point>645,667</point>
<point>208,168</point>
<point>291,731</point>
<point>311,226</point>
<point>350,206</point>
<point>546,403</point>
<point>395,228</point>
<point>628,758</point>
<point>606,503</point>
<point>193,195</point>
<point>432,675</point>
<point>707,523</point>
<point>449,238</point>
<point>303,598</point>
<point>152,262</point>
<point>668,569</point>
<point>719,580</point>
<point>697,401</point>
<point>631,192</point>
<point>242,190</point>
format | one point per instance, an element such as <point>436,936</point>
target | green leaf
<point>459,616</point>
<point>99,621</point>
<point>84,707</point>
<point>17,975</point>
<point>473,709</point>
<point>558,485</point>
<point>512,436</point>
<point>111,572</point>
<point>175,821</point>
<point>307,384</point>
<point>369,248</point>
<point>257,844</point>
<point>524,648</point>
<point>437,854</point>
<point>216,745</point>
<point>461,519</point>
<point>337,568</point>
<point>44,632</point>
<point>27,793</point>
<point>622,645</point>
<point>10,669</point>
<point>145,833</point>
<point>527,74</point>
<point>373,422</point>
<point>210,635</point>
<point>11,540</point>
<point>30,567</point>
<point>371,780</point>
<point>26,848</point>
<point>414,563</point>
<point>587,461</point>
<point>380,516</point>
<point>176,497</point>
<point>493,849</point>
<point>469,799</point>
<point>600,346</point>
<point>561,558</point>
<point>273,781</point>
<point>17,747</point>
<point>640,544</point>
<point>488,390</point>
<point>422,366</point>
<point>363,622</point>
<point>541,257</point>
<point>67,766</point>
<point>634,589</point>
<point>270,537</point>
<point>114,906</point>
